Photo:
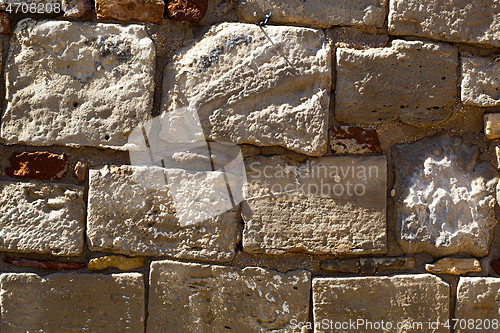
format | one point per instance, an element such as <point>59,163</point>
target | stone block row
<point>189,297</point>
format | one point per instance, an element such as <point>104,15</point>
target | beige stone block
<point>454,266</point>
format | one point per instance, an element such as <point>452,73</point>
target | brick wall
<point>367,135</point>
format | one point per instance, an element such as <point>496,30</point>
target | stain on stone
<point>38,165</point>
<point>354,140</point>
<point>187,10</point>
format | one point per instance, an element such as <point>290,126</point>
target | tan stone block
<point>480,81</point>
<point>454,266</point>
<point>492,126</point>
<point>121,262</point>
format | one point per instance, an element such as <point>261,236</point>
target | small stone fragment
<point>80,170</point>
<point>495,264</point>
<point>41,218</point>
<point>409,299</point>
<point>66,302</point>
<point>223,6</point>
<point>248,151</point>
<point>5,24</point>
<point>497,152</point>
<point>480,83</point>
<point>492,126</point>
<point>457,215</point>
<point>341,265</point>
<point>315,13</point>
<point>373,265</point>
<point>454,266</point>
<point>38,165</point>
<point>130,10</point>
<point>187,10</point>
<point>354,140</point>
<point>356,38</point>
<point>188,297</point>
<point>372,85</point>
<point>53,265</point>
<point>121,262</point>
<point>78,9</point>
<point>273,150</point>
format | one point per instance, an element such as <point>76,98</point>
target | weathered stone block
<point>42,218</point>
<point>130,214</point>
<point>316,13</point>
<point>413,81</point>
<point>492,126</point>
<point>475,22</point>
<point>366,301</point>
<point>354,140</point>
<point>454,266</point>
<point>477,298</point>
<point>77,83</point>
<point>187,297</point>
<point>41,165</point>
<point>72,303</point>
<point>445,197</point>
<point>247,84</point>
<point>130,10</point>
<point>324,205</point>
<point>187,10</point>
<point>480,81</point>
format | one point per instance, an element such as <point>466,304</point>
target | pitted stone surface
<point>315,13</point>
<point>188,297</point>
<point>125,215</point>
<point>413,81</point>
<point>42,218</point>
<point>187,10</point>
<point>475,22</point>
<point>480,83</point>
<point>445,197</point>
<point>77,83</point>
<point>402,298</point>
<point>68,303</point>
<point>477,298</point>
<point>324,205</point>
<point>247,83</point>
<point>136,10</point>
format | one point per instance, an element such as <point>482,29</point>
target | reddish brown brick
<point>5,24</point>
<point>495,264</point>
<point>353,140</point>
<point>38,165</point>
<point>187,10</point>
<point>126,10</point>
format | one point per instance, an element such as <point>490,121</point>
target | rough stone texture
<point>126,216</point>
<point>341,265</point>
<point>492,126</point>
<point>454,21</point>
<point>78,9</point>
<point>130,10</point>
<point>357,38</point>
<point>401,298</point>
<point>121,262</point>
<point>477,298</point>
<point>324,205</point>
<point>445,197</point>
<point>42,218</point>
<point>187,10</point>
<point>68,303</point>
<point>41,165</point>
<point>187,297</point>
<point>80,170</point>
<point>454,266</point>
<point>353,140</point>
<point>77,83</point>
<point>315,13</point>
<point>413,81</point>
<point>5,24</point>
<point>480,81</point>
<point>169,36</point>
<point>368,265</point>
<point>247,83</point>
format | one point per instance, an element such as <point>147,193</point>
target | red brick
<point>353,140</point>
<point>38,165</point>
<point>187,10</point>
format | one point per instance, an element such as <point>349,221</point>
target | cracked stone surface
<point>189,297</point>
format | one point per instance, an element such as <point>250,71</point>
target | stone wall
<point>368,134</point>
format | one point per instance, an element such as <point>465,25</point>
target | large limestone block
<point>403,300</point>
<point>66,303</point>
<point>480,81</point>
<point>42,218</point>
<point>262,86</point>
<point>77,83</point>
<point>129,213</point>
<point>316,13</point>
<point>191,298</point>
<point>475,22</point>
<point>325,205</point>
<point>445,197</point>
<point>413,81</point>
<point>477,298</point>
